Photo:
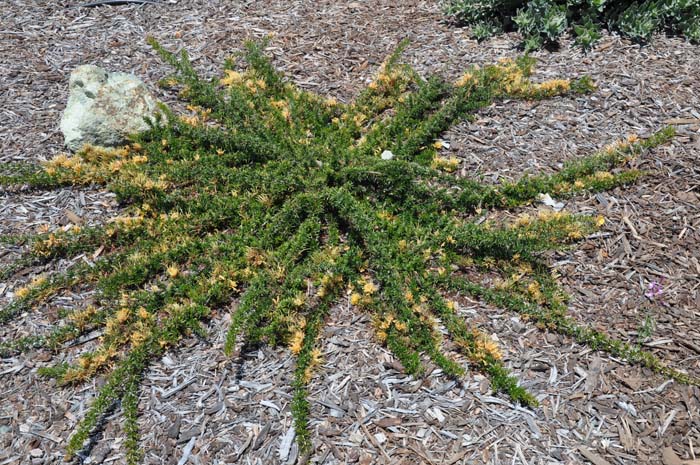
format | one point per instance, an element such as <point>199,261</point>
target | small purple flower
<point>655,290</point>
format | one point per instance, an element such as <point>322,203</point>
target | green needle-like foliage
<point>285,203</point>
<point>543,22</point>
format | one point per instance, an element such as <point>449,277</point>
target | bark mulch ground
<point>200,407</point>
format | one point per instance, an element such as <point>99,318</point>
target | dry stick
<point>116,2</point>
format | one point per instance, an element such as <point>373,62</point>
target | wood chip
<point>592,457</point>
<point>669,457</point>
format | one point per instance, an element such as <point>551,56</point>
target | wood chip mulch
<point>200,407</point>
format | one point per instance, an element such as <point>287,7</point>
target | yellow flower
<point>326,280</point>
<point>82,317</point>
<point>611,148</point>
<point>22,292</point>
<point>138,337</point>
<point>599,221</point>
<point>369,288</point>
<point>385,322</point>
<point>533,288</point>
<point>38,281</point>
<point>555,85</point>
<point>575,234</point>
<point>173,271</point>
<point>99,360</point>
<point>445,164</point>
<point>115,166</point>
<point>355,298</point>
<point>464,80</point>
<point>386,216</point>
<point>190,120</point>
<point>143,313</point>
<point>296,342</point>
<point>525,268</point>
<point>308,374</point>
<point>299,300</point>
<point>578,184</point>
<point>250,84</point>
<point>603,176</point>
<point>547,215</point>
<point>122,315</point>
<point>492,349</point>
<point>562,187</point>
<point>232,77</point>
<point>315,356</point>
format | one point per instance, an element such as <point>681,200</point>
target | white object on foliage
<point>387,155</point>
<point>104,108</point>
<point>550,202</point>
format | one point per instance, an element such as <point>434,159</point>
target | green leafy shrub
<point>287,203</point>
<point>542,22</point>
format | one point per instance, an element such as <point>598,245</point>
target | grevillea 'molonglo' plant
<point>542,22</point>
<point>285,203</point>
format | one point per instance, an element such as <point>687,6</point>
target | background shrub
<point>542,22</point>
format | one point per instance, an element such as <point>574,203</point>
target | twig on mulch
<point>116,3</point>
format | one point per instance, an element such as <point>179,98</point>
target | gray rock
<point>104,108</point>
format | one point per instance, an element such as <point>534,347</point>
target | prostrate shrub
<point>542,22</point>
<point>286,203</point>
